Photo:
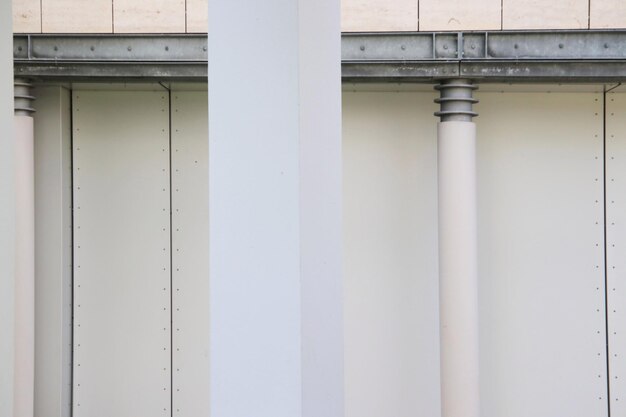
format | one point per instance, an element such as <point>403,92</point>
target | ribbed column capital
<point>23,97</point>
<point>455,99</point>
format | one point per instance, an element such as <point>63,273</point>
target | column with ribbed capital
<point>24,250</point>
<point>458,280</point>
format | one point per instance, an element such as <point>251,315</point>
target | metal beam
<point>534,56</point>
<point>500,45</point>
<point>113,71</point>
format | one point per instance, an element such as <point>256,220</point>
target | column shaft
<point>24,252</point>
<point>458,280</point>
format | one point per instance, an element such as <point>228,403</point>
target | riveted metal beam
<point>534,56</point>
<point>110,48</point>
<point>111,57</point>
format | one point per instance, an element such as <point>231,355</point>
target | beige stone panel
<point>459,15</point>
<point>608,14</point>
<point>197,16</point>
<point>77,16</point>
<point>378,15</point>
<point>26,16</point>
<point>149,16</point>
<point>545,14</point>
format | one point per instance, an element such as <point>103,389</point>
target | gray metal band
<point>23,97</point>
<point>456,100</point>
<point>565,56</point>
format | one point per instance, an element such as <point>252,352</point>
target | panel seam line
<point>606,281</point>
<point>169,97</point>
<point>72,257</point>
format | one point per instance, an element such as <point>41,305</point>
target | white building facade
<point>420,215</point>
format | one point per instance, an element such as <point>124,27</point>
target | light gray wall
<point>275,209</point>
<point>7,212</point>
<point>541,262</point>
<point>53,252</point>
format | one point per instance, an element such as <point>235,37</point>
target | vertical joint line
<point>418,15</point>
<point>606,268</point>
<point>72,258</point>
<point>169,112</point>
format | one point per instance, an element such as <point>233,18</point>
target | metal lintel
<point>110,72</point>
<point>546,71</point>
<point>567,56</point>
<point>398,72</point>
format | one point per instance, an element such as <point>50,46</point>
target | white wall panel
<point>460,15</point>
<point>378,15</point>
<point>541,258</point>
<point>26,16</point>
<point>190,245</point>
<point>390,255</point>
<point>196,15</point>
<point>76,16</point>
<point>121,254</point>
<point>607,14</point>
<point>615,246</point>
<point>541,14</point>
<point>540,246</point>
<point>7,214</point>
<point>149,16</point>
<point>53,252</point>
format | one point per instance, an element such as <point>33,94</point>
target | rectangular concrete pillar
<point>7,212</point>
<point>53,252</point>
<point>275,209</point>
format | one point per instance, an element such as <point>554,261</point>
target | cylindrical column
<point>458,304</point>
<point>24,375</point>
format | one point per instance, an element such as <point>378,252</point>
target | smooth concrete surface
<point>7,214</point>
<point>70,16</point>
<point>190,244</point>
<point>391,325</point>
<point>122,280</point>
<point>607,14</point>
<point>27,16</point>
<point>379,15</point>
<point>53,252</point>
<point>540,14</point>
<point>541,256</point>
<point>451,15</point>
<point>540,248</point>
<point>275,209</point>
<point>149,16</point>
<point>166,16</point>
<point>615,244</point>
